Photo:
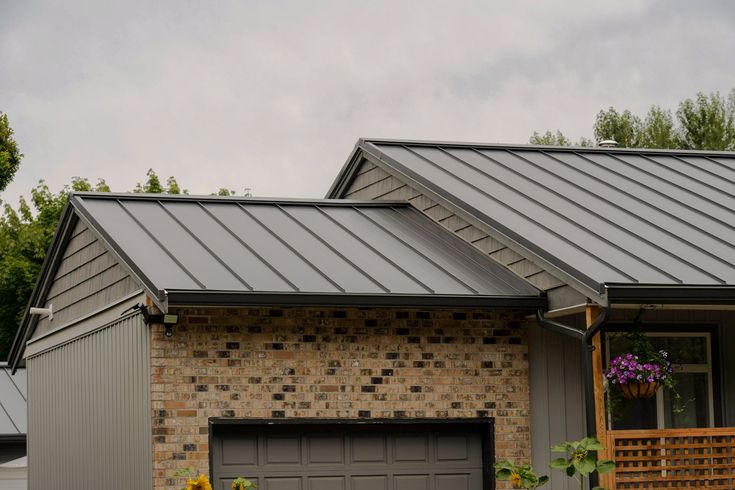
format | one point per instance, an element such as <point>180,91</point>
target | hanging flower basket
<point>638,379</point>
<point>635,390</point>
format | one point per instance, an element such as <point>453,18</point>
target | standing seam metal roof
<point>602,216</point>
<point>274,250</point>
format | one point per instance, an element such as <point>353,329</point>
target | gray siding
<point>89,410</point>
<point>373,182</point>
<point>557,403</point>
<point>87,279</point>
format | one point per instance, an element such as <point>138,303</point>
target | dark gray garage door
<point>422,456</point>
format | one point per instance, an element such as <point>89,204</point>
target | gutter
<point>586,344</point>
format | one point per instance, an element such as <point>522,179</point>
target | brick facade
<point>328,363</point>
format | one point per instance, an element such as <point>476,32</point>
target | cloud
<point>273,95</point>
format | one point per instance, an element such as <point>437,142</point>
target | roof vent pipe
<point>49,312</point>
<point>608,144</point>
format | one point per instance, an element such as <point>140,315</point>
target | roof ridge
<point>136,196</point>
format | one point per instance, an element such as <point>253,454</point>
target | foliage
<point>520,476</point>
<point>10,155</point>
<point>706,122</point>
<point>199,483</point>
<point>557,139</point>
<point>25,236</point>
<point>241,483</point>
<point>581,460</point>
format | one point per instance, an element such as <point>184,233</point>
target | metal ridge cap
<point>528,146</point>
<point>78,198</point>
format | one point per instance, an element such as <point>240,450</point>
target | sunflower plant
<point>193,482</point>
<point>581,460</point>
<point>519,476</point>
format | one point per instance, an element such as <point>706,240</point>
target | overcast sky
<point>273,95</point>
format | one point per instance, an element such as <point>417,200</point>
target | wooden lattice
<point>674,458</point>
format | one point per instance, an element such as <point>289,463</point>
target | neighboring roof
<point>13,418</point>
<point>601,218</point>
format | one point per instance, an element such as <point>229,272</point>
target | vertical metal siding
<point>89,411</point>
<point>557,403</point>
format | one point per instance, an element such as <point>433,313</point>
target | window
<point>691,354</point>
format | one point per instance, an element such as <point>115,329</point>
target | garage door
<point>417,456</point>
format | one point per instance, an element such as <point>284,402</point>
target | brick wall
<point>327,363</point>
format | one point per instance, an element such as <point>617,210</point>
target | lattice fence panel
<point>681,458</point>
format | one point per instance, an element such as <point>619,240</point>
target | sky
<point>273,95</point>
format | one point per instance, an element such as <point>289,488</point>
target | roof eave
<point>340,300</point>
<point>663,294</point>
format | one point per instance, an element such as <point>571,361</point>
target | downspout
<point>587,348</point>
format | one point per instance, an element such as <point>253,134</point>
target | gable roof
<point>599,218</point>
<point>208,250</point>
<point>13,419</point>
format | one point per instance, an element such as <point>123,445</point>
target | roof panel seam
<point>160,245</point>
<point>702,168</point>
<point>375,251</point>
<point>653,190</point>
<point>416,219</point>
<point>245,245</point>
<point>616,225</point>
<point>417,252</point>
<point>686,176</point>
<point>201,243</point>
<point>499,232</point>
<point>540,225</point>
<point>336,252</point>
<point>673,184</point>
<point>720,164</point>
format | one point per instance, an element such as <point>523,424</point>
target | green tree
<point>706,122</point>
<point>625,127</point>
<point>10,155</point>
<point>557,139</point>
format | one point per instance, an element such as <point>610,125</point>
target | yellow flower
<point>201,483</point>
<point>515,479</point>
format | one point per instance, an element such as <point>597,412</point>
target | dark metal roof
<point>13,419</point>
<point>595,216</point>
<point>209,250</point>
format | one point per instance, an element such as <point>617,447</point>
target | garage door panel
<point>452,449</point>
<point>411,482</point>
<point>282,450</point>
<point>326,483</point>
<point>410,449</point>
<point>325,450</point>
<point>240,451</point>
<point>369,449</point>
<point>456,482</point>
<point>370,482</point>
<point>281,483</point>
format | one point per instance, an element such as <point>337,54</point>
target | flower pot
<point>633,389</point>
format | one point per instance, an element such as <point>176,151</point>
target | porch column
<point>591,313</point>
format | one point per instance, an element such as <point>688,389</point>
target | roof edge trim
<point>670,294</point>
<point>227,298</point>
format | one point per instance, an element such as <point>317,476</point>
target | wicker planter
<point>634,390</point>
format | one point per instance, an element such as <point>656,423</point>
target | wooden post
<point>591,313</point>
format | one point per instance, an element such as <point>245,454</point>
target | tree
<point>557,139</point>
<point>706,122</point>
<point>10,155</point>
<point>26,234</point>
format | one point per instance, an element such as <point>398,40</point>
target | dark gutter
<point>587,370</point>
<point>673,294</point>
<point>238,298</point>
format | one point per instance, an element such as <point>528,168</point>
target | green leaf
<point>503,474</point>
<point>542,480</point>
<point>504,464</point>
<point>560,463</point>
<point>571,470</point>
<point>605,466</point>
<point>585,466</point>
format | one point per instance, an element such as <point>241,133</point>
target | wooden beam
<point>591,313</point>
